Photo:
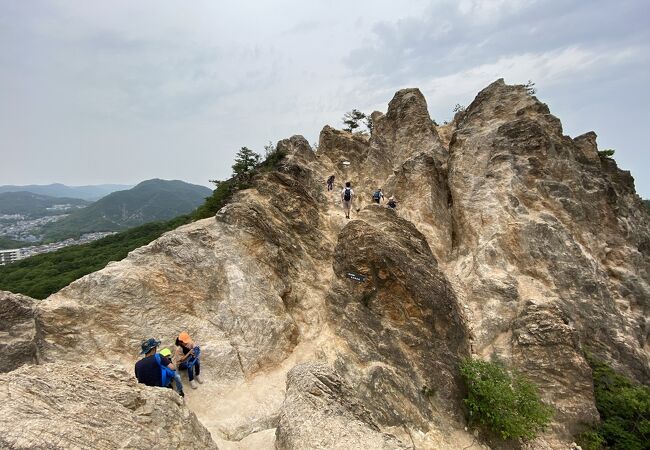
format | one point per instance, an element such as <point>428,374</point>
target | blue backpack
<point>193,359</point>
<point>376,196</point>
<point>166,374</point>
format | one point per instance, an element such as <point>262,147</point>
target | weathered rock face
<point>549,244</point>
<point>322,412</point>
<point>510,240</point>
<point>402,327</point>
<point>18,343</point>
<point>405,131</point>
<point>66,405</point>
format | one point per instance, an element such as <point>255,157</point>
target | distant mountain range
<point>149,201</point>
<point>37,205</point>
<point>90,193</point>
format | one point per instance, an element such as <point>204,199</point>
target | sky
<point>123,91</point>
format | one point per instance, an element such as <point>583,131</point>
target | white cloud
<point>488,10</point>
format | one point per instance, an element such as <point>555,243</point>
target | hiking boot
<point>193,384</point>
<point>198,379</point>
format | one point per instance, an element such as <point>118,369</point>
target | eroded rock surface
<point>402,326</point>
<point>64,405</point>
<point>322,412</point>
<point>18,341</point>
<point>549,248</point>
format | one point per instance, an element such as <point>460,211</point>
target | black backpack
<point>347,194</point>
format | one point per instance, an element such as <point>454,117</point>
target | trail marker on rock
<point>356,277</point>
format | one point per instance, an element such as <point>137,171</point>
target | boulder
<point>64,405</point>
<point>321,411</point>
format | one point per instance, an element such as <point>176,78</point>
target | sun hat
<point>185,338</point>
<point>165,352</point>
<point>148,345</point>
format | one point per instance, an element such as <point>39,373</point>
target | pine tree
<point>245,160</point>
<point>351,119</point>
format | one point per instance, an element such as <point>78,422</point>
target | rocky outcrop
<point>402,326</point>
<point>405,131</point>
<point>322,412</point>
<point>510,241</point>
<point>64,405</point>
<point>537,217</point>
<point>18,343</point>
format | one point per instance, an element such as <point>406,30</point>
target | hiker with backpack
<point>378,196</point>
<point>392,203</point>
<point>347,194</point>
<point>155,369</point>
<point>186,357</point>
<point>330,183</point>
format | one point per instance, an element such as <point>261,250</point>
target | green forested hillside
<point>42,275</point>
<point>36,205</point>
<point>6,243</point>
<point>151,200</point>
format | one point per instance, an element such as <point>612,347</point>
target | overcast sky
<point>123,91</point>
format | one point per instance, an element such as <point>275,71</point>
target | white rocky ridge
<point>510,239</point>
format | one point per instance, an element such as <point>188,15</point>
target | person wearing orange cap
<point>186,356</point>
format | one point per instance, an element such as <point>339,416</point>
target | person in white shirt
<point>347,195</point>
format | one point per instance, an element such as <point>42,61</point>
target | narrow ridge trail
<point>244,415</point>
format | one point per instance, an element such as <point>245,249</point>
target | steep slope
<point>552,245</point>
<point>149,201</point>
<point>512,241</point>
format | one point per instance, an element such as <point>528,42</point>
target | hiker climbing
<point>378,196</point>
<point>330,183</point>
<point>186,356</point>
<point>155,369</point>
<point>392,203</point>
<point>347,195</point>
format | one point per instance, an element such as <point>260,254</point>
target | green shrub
<point>624,408</point>
<point>226,189</point>
<point>591,440</point>
<point>502,400</point>
<point>221,195</point>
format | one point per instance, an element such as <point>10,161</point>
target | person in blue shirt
<point>155,369</point>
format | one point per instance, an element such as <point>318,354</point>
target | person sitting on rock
<point>330,183</point>
<point>186,356</point>
<point>347,194</point>
<point>178,384</point>
<point>378,196</point>
<point>155,369</point>
<point>392,203</point>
